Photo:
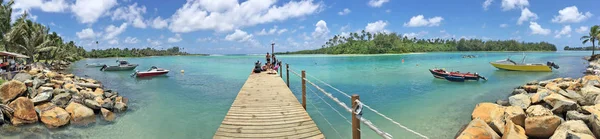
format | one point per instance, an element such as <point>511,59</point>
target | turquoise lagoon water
<point>193,104</point>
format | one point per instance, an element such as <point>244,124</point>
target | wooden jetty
<point>266,108</point>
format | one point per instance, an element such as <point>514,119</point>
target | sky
<point>251,26</point>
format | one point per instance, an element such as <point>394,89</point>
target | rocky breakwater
<point>56,100</point>
<point>557,109</point>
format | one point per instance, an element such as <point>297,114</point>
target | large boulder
<point>553,87</point>
<point>62,100</point>
<point>520,100</point>
<point>513,131</point>
<point>478,129</point>
<point>539,96</point>
<point>516,115</point>
<point>24,111</point>
<point>10,90</point>
<point>560,104</point>
<point>595,119</point>
<point>22,77</point>
<point>108,104</point>
<point>575,115</point>
<point>570,94</point>
<point>92,104</point>
<point>490,113</point>
<point>571,126</point>
<point>541,126</point>
<point>37,82</point>
<point>537,110</point>
<point>80,115</point>
<point>41,98</point>
<point>519,91</point>
<point>54,116</point>
<point>120,107</point>
<point>107,115</point>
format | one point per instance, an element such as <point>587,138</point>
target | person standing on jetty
<point>268,61</point>
<point>274,60</point>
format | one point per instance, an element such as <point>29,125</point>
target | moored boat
<point>453,78</point>
<point>153,71</point>
<point>442,74</point>
<point>508,64</point>
<point>123,66</point>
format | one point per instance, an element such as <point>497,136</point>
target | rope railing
<point>338,112</point>
<point>330,125</point>
<point>358,116</point>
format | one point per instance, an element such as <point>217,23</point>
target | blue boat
<point>455,78</point>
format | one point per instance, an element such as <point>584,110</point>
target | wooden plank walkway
<point>266,108</point>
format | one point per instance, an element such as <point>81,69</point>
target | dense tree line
<point>378,43</point>
<point>117,52</point>
<point>589,48</point>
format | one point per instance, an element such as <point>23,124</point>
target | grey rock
<point>534,82</point>
<point>77,98</point>
<point>92,104</point>
<point>37,82</point>
<point>62,100</point>
<point>59,91</point>
<point>502,102</point>
<point>31,93</point>
<point>22,77</point>
<point>120,107</point>
<point>42,97</point>
<point>108,104</point>
<point>575,115</point>
<point>570,94</point>
<point>521,100</point>
<point>107,94</point>
<point>577,127</point>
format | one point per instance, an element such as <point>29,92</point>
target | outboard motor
<point>481,77</point>
<point>552,64</point>
<point>103,67</point>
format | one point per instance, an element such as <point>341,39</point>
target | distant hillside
<point>379,43</point>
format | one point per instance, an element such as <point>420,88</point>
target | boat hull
<point>120,68</point>
<point>536,68</point>
<point>455,78</point>
<point>150,74</point>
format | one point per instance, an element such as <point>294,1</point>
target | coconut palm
<point>5,20</point>
<point>592,37</point>
<point>29,37</point>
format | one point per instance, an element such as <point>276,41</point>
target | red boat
<point>441,73</point>
<point>154,71</point>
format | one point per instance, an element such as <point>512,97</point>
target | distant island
<point>589,48</point>
<point>117,52</point>
<point>381,43</point>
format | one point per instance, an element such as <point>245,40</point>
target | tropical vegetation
<point>593,36</point>
<point>378,43</point>
<point>589,48</point>
<point>117,52</point>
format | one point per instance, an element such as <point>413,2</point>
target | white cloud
<point>265,32</point>
<point>131,40</point>
<point>344,12</point>
<point>112,31</point>
<point>44,5</point>
<point>566,31</point>
<point>88,11</point>
<point>419,21</point>
<point>87,33</point>
<point>571,15</point>
<point>282,31</point>
<point>378,26</point>
<point>174,39</point>
<point>204,15</point>
<point>321,30</point>
<point>113,41</point>
<point>512,4</point>
<point>487,3</point>
<point>154,42</point>
<point>417,35</point>
<point>526,15</point>
<point>377,3</point>
<point>159,23</point>
<point>537,29</point>
<point>205,39</point>
<point>132,14</point>
<point>582,30</point>
<point>503,25</point>
<point>239,35</point>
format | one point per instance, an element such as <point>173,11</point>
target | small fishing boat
<point>508,64</point>
<point>453,78</point>
<point>442,74</point>
<point>123,66</point>
<point>93,65</point>
<point>153,71</point>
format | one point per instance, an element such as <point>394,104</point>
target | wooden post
<point>287,68</point>
<point>280,71</point>
<point>304,89</point>
<point>355,121</point>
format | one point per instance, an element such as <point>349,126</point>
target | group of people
<point>268,65</point>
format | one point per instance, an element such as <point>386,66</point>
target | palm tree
<point>593,36</point>
<point>5,20</point>
<point>30,38</point>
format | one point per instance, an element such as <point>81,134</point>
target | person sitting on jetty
<point>257,68</point>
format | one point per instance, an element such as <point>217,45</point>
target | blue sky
<point>236,26</point>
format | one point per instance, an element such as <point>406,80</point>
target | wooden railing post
<point>304,89</point>
<point>355,121</point>
<point>280,71</point>
<point>287,69</point>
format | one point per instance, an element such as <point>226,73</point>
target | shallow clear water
<point>193,104</point>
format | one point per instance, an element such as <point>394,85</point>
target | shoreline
<point>55,99</point>
<point>554,108</point>
<point>424,52</point>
